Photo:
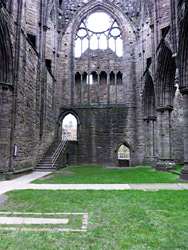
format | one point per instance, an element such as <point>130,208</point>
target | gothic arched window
<point>99,31</point>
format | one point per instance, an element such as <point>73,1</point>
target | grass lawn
<point>117,220</point>
<point>100,175</point>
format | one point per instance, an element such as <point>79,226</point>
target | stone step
<point>45,162</point>
<point>45,169</point>
<point>44,165</point>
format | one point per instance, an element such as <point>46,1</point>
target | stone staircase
<point>49,162</point>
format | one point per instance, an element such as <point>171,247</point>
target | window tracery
<point>99,31</point>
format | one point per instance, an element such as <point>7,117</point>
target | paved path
<point>20,182</point>
<point>24,183</point>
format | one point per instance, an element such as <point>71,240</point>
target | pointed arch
<point>183,50</point>
<point>105,6</point>
<point>165,76</point>
<point>52,11</point>
<point>65,113</point>
<point>148,96</point>
<point>5,52</point>
<point>123,152</point>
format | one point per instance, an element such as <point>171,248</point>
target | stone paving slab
<point>24,183</point>
<point>145,187</point>
<point>76,186</point>
<point>17,221</point>
<point>158,186</point>
<point>31,221</point>
<point>17,183</point>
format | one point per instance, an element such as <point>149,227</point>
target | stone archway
<point>60,123</point>
<point>165,89</point>
<point>69,128</point>
<point>123,155</point>
<point>183,69</point>
<point>149,118</point>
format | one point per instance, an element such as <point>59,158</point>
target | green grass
<point>117,220</point>
<point>178,170</point>
<point>91,174</point>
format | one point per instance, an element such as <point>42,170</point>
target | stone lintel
<point>164,108</point>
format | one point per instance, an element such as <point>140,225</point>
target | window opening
<point>77,78</point>
<point>52,15</point>
<point>119,78</point>
<point>49,65</point>
<point>60,2</point>
<point>123,153</point>
<point>103,78</point>
<point>112,78</point>
<point>165,30</point>
<point>148,62</point>
<point>95,77</point>
<point>69,128</point>
<point>32,39</point>
<point>90,79</point>
<point>99,31</point>
<point>85,76</point>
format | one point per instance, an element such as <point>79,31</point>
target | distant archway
<point>124,156</point>
<point>69,127</point>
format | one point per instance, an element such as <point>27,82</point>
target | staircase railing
<point>58,151</point>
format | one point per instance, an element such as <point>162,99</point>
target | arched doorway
<point>69,128</point>
<point>123,156</point>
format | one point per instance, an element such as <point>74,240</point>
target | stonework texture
<point>138,99</point>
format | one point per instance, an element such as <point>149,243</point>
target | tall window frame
<point>108,38</point>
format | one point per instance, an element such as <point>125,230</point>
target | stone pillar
<point>88,89</point>
<point>98,87</point>
<point>150,156</point>
<point>108,87</point>
<point>116,98</point>
<point>166,161</point>
<point>43,80</point>
<point>184,171</point>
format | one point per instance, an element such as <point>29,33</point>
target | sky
<point>69,118</point>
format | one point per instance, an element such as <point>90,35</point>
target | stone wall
<point>20,105</point>
<point>30,147</point>
<point>5,125</point>
<point>45,80</point>
<point>102,130</point>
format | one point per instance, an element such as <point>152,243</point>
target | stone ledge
<point>18,173</point>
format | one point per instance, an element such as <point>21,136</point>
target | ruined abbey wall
<point>135,99</point>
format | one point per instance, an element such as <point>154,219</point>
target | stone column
<point>108,87</point>
<point>165,141</point>
<point>43,80</point>
<point>150,139</point>
<point>81,89</point>
<point>116,98</point>
<point>184,171</point>
<point>88,89</point>
<point>98,87</point>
